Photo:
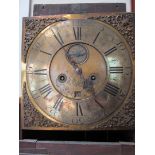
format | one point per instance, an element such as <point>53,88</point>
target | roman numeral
<point>45,90</point>
<point>45,52</point>
<point>97,36</point>
<point>58,104</point>
<point>38,72</point>
<point>77,33</point>
<point>78,109</point>
<point>116,70</point>
<point>99,104</point>
<point>111,89</point>
<point>58,37</point>
<point>110,51</point>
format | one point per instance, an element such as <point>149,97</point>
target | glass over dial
<point>78,71</point>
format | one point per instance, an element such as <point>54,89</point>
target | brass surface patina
<point>79,72</point>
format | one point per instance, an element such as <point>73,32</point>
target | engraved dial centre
<point>80,81</point>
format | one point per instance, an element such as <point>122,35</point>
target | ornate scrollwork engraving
<point>33,26</point>
<point>124,23</point>
<point>32,118</point>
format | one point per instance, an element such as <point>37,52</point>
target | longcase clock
<point>78,72</point>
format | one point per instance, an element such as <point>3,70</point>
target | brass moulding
<point>78,72</point>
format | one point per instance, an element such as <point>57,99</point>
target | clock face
<point>78,72</point>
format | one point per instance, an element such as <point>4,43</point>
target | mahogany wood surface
<point>76,148</point>
<point>53,9</point>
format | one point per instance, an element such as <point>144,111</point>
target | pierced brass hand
<point>77,69</point>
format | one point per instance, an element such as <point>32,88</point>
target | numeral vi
<point>78,109</point>
<point>58,104</point>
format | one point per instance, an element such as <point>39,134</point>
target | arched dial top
<point>78,72</point>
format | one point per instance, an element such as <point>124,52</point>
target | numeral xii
<point>77,33</point>
<point>78,109</point>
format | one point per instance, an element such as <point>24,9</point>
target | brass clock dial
<point>78,72</point>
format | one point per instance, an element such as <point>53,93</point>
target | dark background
<point>94,136</point>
